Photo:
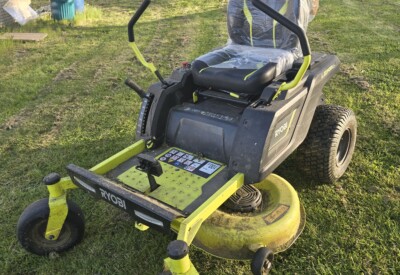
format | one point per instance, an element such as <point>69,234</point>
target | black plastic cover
<point>208,128</point>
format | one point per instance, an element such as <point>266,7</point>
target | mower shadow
<point>291,172</point>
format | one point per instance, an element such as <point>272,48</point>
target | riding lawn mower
<point>208,140</point>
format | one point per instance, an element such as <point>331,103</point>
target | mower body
<point>250,139</point>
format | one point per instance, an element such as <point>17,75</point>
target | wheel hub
<point>38,235</point>
<point>343,147</point>
<point>267,266</point>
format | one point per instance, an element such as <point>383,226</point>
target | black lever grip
<point>131,84</point>
<point>135,18</point>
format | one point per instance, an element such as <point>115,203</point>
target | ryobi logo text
<point>113,199</point>
<point>281,129</point>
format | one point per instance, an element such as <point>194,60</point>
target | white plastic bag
<point>20,11</point>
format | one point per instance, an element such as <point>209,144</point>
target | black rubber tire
<point>329,146</point>
<point>32,225</point>
<point>262,261</point>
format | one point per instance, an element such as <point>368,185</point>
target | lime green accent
<point>67,184</point>
<point>299,76</point>
<point>190,226</point>
<point>141,226</point>
<point>276,226</point>
<point>195,97</point>
<point>282,11</point>
<point>182,266</point>
<point>55,190</point>
<point>119,158</point>
<point>250,74</point>
<point>327,71</point>
<point>58,210</point>
<point>234,95</point>
<point>178,187</point>
<point>58,195</point>
<point>249,18</point>
<point>175,224</point>
<point>291,121</point>
<point>142,60</point>
<point>228,61</point>
<point>203,69</point>
<point>259,66</point>
<point>149,144</point>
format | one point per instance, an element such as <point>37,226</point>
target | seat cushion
<point>240,69</point>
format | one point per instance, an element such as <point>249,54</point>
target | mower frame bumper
<point>58,191</point>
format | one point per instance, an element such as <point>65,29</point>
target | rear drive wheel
<point>32,225</point>
<point>329,146</point>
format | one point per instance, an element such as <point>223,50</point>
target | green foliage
<point>63,101</point>
<point>90,14</point>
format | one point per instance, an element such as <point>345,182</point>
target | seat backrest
<point>249,26</point>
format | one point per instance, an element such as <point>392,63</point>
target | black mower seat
<point>240,69</point>
<point>259,48</point>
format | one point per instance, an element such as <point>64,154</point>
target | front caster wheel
<point>32,224</point>
<point>262,261</point>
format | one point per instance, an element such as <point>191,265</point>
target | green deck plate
<point>178,187</point>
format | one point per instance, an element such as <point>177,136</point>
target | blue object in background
<point>79,5</point>
<point>62,9</point>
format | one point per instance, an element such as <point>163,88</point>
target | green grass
<point>63,101</point>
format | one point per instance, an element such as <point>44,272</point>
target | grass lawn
<point>63,101</point>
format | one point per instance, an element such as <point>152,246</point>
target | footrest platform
<point>186,183</point>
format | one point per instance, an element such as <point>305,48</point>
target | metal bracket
<point>58,210</point>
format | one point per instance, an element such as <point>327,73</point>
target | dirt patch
<point>361,82</point>
<point>391,123</point>
<point>395,127</point>
<point>11,123</point>
<point>98,74</point>
<point>21,53</point>
<point>67,73</point>
<point>47,138</point>
<point>15,120</point>
<point>351,72</point>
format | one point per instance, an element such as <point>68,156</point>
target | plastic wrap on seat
<point>255,39</point>
<point>247,57</point>
<point>247,25</point>
<point>259,48</point>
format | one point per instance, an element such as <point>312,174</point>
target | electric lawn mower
<point>208,140</point>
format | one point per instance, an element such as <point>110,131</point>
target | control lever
<point>152,167</point>
<point>267,95</point>
<point>131,84</point>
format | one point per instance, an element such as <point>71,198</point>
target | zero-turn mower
<point>207,142</point>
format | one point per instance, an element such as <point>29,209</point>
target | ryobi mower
<point>207,142</point>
